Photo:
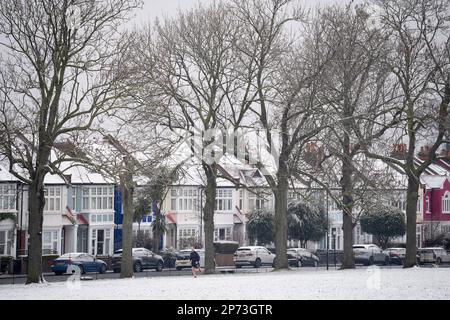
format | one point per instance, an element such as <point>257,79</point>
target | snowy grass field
<point>370,283</point>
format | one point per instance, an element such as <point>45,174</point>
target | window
<point>50,242</point>
<point>74,200</point>
<point>427,204</point>
<point>98,198</point>
<point>187,237</point>
<point>101,240</point>
<point>184,199</point>
<point>102,217</point>
<point>241,196</point>
<point>222,234</point>
<point>445,229</point>
<point>52,198</point>
<point>8,197</point>
<point>6,237</point>
<point>446,203</point>
<point>258,202</point>
<point>419,205</point>
<point>224,200</point>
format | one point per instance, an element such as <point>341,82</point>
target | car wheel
<point>438,261</point>
<point>102,269</point>
<point>58,273</point>
<point>82,270</point>
<point>386,261</point>
<point>370,261</point>
<point>116,270</point>
<point>257,263</point>
<point>159,266</point>
<point>137,267</point>
<point>179,268</point>
<point>238,266</point>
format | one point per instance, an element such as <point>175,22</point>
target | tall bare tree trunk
<point>157,231</point>
<point>126,270</point>
<point>36,218</point>
<point>281,261</point>
<point>347,201</point>
<point>411,216</point>
<point>208,216</point>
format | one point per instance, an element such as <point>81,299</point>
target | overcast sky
<point>161,8</point>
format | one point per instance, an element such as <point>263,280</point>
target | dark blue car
<point>84,261</point>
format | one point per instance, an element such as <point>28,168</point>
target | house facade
<point>78,213</point>
<point>13,214</point>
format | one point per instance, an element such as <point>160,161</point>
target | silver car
<point>433,255</point>
<point>369,254</point>
<point>255,256</point>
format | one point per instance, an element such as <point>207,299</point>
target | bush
<point>226,247</point>
<point>4,263</point>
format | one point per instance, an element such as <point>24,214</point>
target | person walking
<point>195,262</point>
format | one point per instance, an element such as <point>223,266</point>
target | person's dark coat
<point>195,259</point>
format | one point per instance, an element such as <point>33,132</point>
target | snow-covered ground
<point>371,283</point>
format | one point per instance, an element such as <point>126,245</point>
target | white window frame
<point>228,234</point>
<point>8,193</point>
<point>224,200</point>
<point>53,199</point>
<point>51,245</point>
<point>446,203</point>
<point>184,199</point>
<point>427,204</point>
<point>98,198</point>
<point>107,238</point>
<point>419,205</point>
<point>6,242</point>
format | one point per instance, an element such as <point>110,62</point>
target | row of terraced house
<point>83,210</point>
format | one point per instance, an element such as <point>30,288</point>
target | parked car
<point>253,256</point>
<point>396,255</point>
<point>183,258</point>
<point>300,257</point>
<point>433,255</point>
<point>142,259</point>
<point>84,261</point>
<point>369,254</point>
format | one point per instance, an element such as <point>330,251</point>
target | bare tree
<point>354,85</point>
<point>419,37</point>
<point>286,81</point>
<point>58,73</point>
<point>185,65</point>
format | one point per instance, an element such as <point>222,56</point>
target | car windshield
<point>244,249</point>
<point>359,247</point>
<point>70,255</point>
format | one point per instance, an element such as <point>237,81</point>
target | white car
<point>253,256</point>
<point>433,255</point>
<point>183,258</point>
<point>369,254</point>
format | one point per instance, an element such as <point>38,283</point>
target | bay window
<point>6,242</point>
<point>184,199</point>
<point>224,200</point>
<point>8,197</point>
<point>52,198</point>
<point>98,198</point>
<point>50,240</point>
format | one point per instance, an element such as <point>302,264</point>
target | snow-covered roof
<point>78,175</point>
<point>433,182</point>
<point>5,176</point>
